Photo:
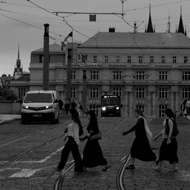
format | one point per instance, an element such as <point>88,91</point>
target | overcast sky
<point>22,22</point>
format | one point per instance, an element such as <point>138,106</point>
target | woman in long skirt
<point>92,154</point>
<point>169,146</point>
<point>140,148</point>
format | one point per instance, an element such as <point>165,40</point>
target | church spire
<point>181,27</point>
<point>150,27</point>
<point>18,62</point>
<point>18,71</point>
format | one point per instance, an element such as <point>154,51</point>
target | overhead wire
<point>35,5</point>
<point>159,5</point>
<point>51,37</point>
<point>57,16</point>
<point>112,21</point>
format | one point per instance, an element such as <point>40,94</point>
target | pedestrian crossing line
<point>42,160</point>
<point>37,161</point>
<point>25,173</point>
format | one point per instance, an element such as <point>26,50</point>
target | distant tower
<point>169,25</point>
<point>181,27</point>
<point>150,27</point>
<point>18,71</point>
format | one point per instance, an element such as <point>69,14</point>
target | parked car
<point>40,105</point>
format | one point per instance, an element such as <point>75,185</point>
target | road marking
<point>42,160</point>
<point>13,141</point>
<point>24,173</point>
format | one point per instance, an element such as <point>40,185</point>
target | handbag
<point>96,136</point>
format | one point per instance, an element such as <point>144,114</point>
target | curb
<point>6,121</point>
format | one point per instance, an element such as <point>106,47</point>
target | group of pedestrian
<point>141,147</point>
<point>71,105</point>
<point>92,153</point>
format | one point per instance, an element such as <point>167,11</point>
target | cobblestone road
<point>115,146</point>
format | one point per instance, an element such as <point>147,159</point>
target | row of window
<point>140,92</point>
<point>84,58</point>
<point>139,75</point>
<point>161,109</point>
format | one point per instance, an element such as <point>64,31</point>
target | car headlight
<point>117,108</point>
<point>103,108</point>
<point>49,107</point>
<point>24,107</point>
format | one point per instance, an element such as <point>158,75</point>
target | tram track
<point>27,136</point>
<point>121,172</point>
<point>59,181</point>
<point>27,152</point>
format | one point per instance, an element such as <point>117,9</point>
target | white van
<point>40,105</point>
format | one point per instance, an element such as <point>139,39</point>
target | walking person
<point>80,109</point>
<point>67,107</point>
<point>187,105</point>
<point>92,153</point>
<point>169,146</point>
<point>140,148</point>
<point>73,131</point>
<point>60,105</point>
<point>73,104</point>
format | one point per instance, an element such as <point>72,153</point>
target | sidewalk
<point>8,117</point>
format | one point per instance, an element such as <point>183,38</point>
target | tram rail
<point>27,152</point>
<point>59,181</point>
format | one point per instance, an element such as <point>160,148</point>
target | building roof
<point>52,48</point>
<point>24,77</point>
<point>136,40</point>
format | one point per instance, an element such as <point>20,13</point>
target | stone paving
<point>114,147</point>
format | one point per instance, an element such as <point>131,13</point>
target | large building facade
<point>149,70</point>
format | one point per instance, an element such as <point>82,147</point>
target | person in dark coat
<point>169,146</point>
<point>60,105</point>
<point>140,148</point>
<point>92,153</point>
<point>73,131</point>
<point>73,105</point>
<point>67,107</point>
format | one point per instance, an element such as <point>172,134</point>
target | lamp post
<point>69,62</point>
<point>84,94</point>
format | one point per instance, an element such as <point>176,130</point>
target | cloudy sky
<point>22,22</point>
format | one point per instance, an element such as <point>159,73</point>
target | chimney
<point>112,29</point>
<point>46,58</point>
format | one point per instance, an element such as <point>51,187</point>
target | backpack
<point>175,129</point>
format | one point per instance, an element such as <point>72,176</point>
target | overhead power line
<point>96,13</point>
<point>59,17</point>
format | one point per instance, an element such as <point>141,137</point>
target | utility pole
<point>69,63</point>
<point>84,94</point>
<point>46,58</point>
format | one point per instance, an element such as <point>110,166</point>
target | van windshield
<point>38,97</point>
